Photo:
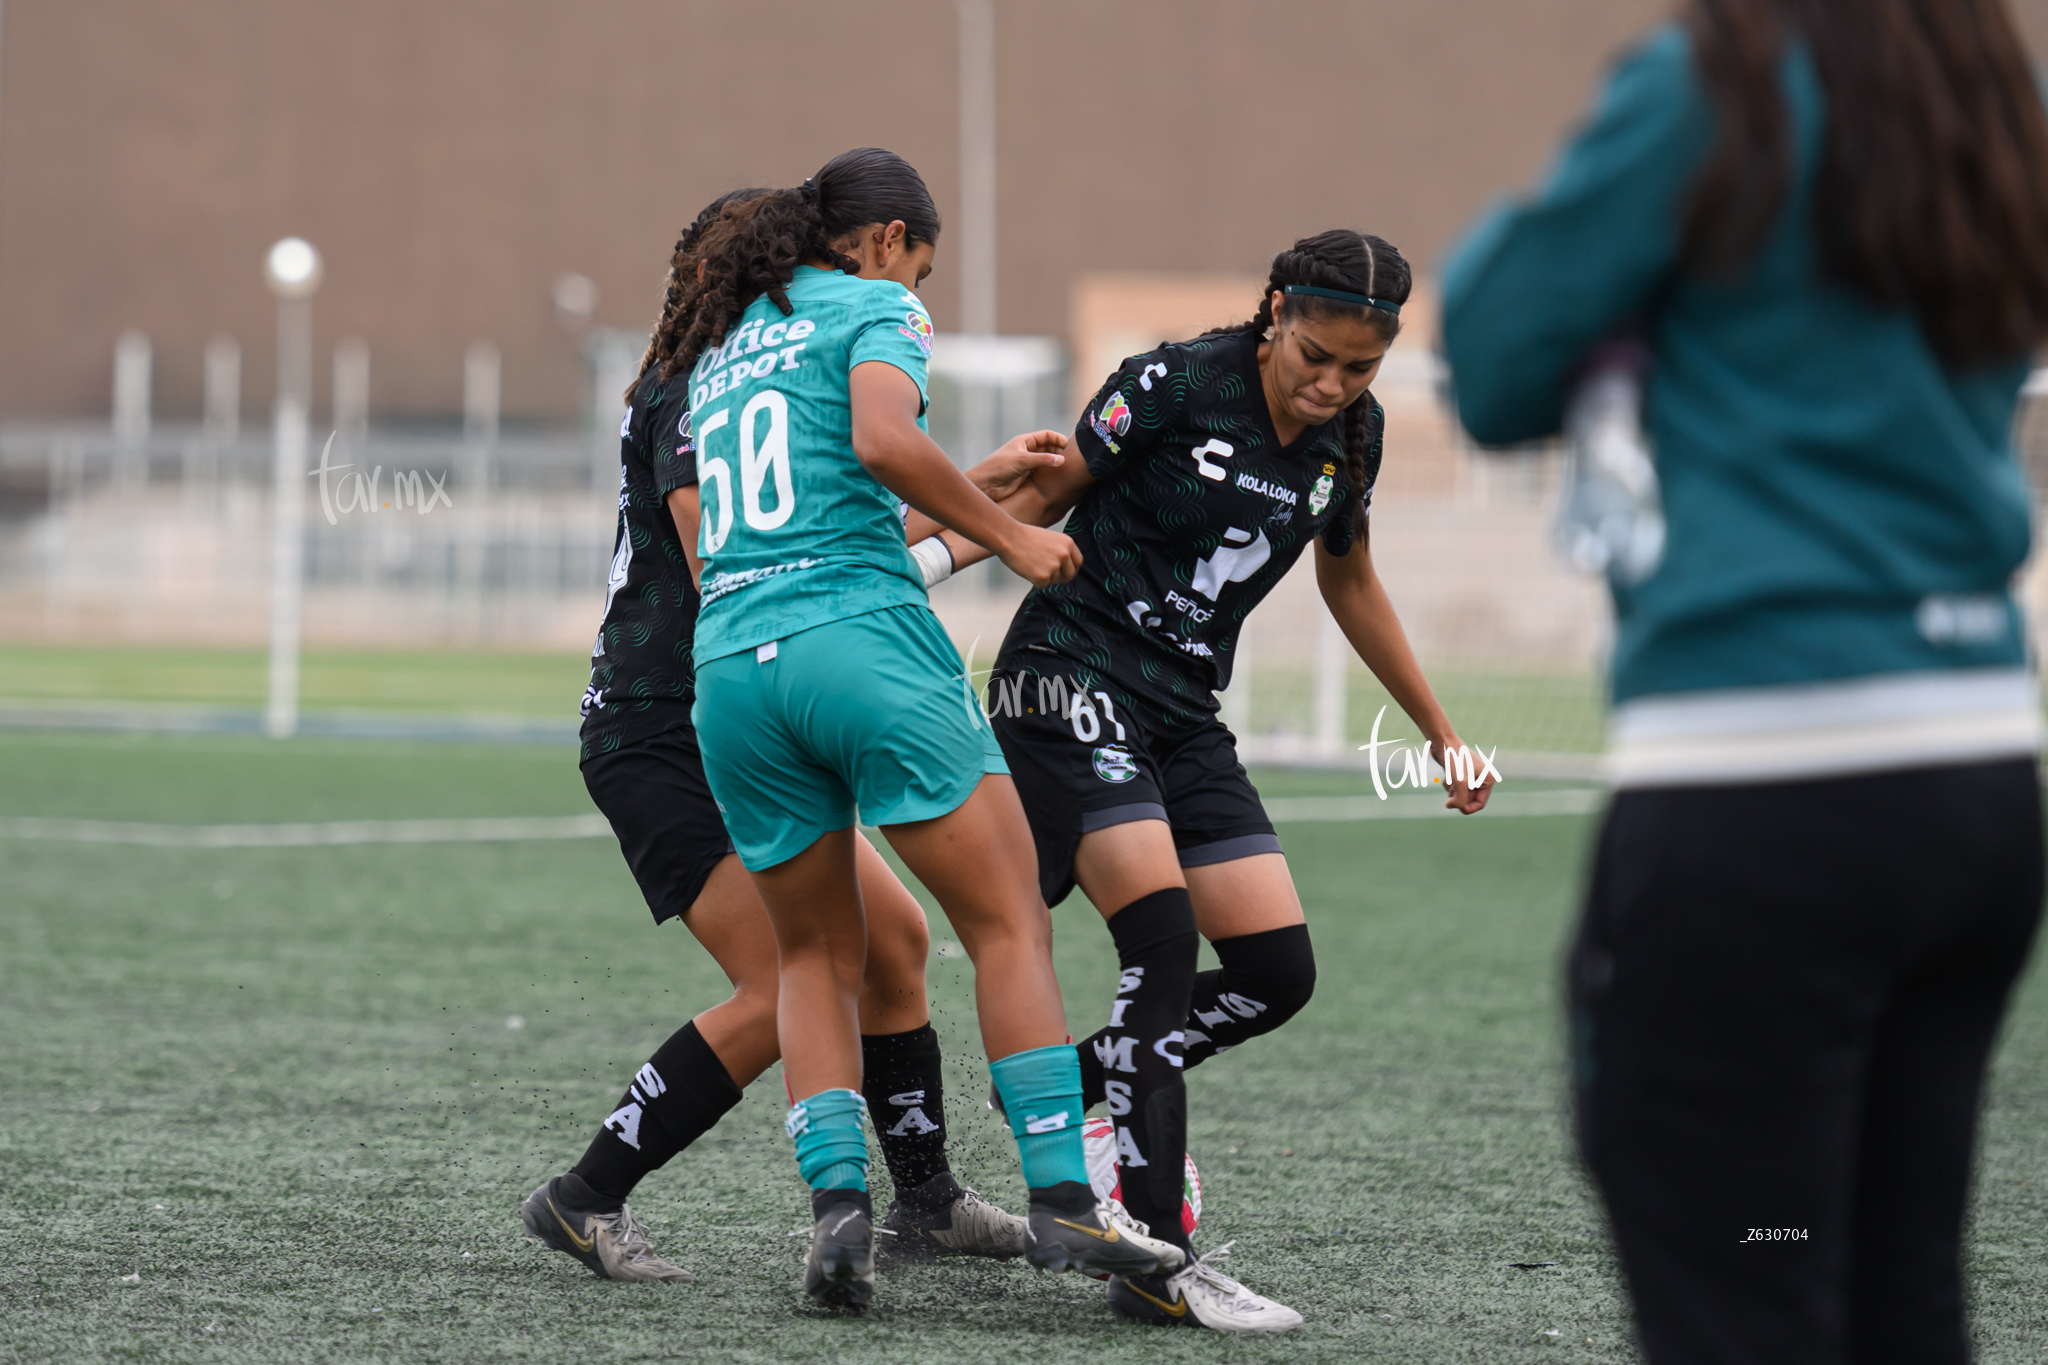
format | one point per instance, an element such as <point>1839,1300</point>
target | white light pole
<point>977,167</point>
<point>292,270</point>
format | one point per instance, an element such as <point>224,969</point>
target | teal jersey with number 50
<point>793,531</point>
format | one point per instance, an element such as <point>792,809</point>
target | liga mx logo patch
<point>1113,418</point>
<point>1115,765</point>
<point>918,328</point>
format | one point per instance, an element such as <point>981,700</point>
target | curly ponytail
<point>682,269</point>
<point>1357,263</point>
<point>753,247</point>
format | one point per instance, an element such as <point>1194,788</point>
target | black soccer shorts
<point>1094,764</point>
<point>654,793</point>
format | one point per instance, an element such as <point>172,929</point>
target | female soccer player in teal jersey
<point>1208,468</point>
<point>826,689</point>
<point>641,762</point>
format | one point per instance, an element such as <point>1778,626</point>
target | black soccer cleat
<point>1149,1299</point>
<point>1069,1232</point>
<point>840,1270</point>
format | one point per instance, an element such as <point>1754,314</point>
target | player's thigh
<point>1090,792</point>
<point>976,860</point>
<point>1223,840</point>
<point>1244,896</point>
<point>729,920</point>
<point>1120,863</point>
<point>899,938</point>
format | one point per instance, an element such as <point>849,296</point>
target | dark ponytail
<point>753,248</point>
<point>682,269</point>
<point>1357,263</point>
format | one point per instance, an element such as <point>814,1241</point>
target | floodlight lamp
<point>292,269</point>
<point>576,296</point>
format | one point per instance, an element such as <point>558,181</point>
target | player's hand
<point>1006,471</point>
<point>1461,796</point>
<point>1040,556</point>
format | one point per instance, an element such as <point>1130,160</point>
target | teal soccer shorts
<point>870,717</point>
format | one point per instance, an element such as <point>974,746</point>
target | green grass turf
<point>1556,712</point>
<point>1550,712</point>
<point>432,682</point>
<point>280,1086</point>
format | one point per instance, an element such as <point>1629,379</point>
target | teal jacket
<point>1839,503</point>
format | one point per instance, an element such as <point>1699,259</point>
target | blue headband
<point>1343,296</point>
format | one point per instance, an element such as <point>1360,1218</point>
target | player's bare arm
<point>906,461</point>
<point>1352,589</point>
<point>1000,476</point>
<point>1040,500</point>
<point>683,505</point>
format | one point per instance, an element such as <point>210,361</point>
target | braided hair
<point>1357,263</point>
<point>753,247</point>
<point>682,267</point>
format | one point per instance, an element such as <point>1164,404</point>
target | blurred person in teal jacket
<point>1821,871</point>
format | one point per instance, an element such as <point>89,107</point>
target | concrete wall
<point>451,158</point>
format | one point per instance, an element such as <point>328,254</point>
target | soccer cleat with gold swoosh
<point>1199,1295</point>
<point>577,1221</point>
<point>1070,1231</point>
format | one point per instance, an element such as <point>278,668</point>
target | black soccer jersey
<point>1198,510</point>
<point>642,677</point>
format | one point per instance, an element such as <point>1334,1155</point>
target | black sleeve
<point>1124,420</point>
<point>672,447</point>
<point>1342,532</point>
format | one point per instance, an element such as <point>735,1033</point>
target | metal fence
<point>424,539</point>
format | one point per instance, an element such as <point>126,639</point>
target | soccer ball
<point>1098,1144</point>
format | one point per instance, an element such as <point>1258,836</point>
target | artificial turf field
<point>279,1085</point>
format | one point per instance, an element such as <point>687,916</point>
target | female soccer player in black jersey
<point>1209,466</point>
<point>640,761</point>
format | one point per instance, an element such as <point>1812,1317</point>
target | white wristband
<point>934,560</point>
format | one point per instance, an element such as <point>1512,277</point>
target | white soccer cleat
<point>1199,1294</point>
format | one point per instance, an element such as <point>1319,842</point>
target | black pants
<point>1783,998</point>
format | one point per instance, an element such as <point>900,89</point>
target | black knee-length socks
<point>1264,981</point>
<point>1139,1054</point>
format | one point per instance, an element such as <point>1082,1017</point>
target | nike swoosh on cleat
<point>1099,1234</point>
<point>581,1243</point>
<point>1172,1310</point>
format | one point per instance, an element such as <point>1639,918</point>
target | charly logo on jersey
<point>1319,496</point>
<point>918,328</point>
<point>1115,764</point>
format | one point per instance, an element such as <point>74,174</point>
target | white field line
<point>312,835</point>
<point>1320,809</point>
<point>330,833</point>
